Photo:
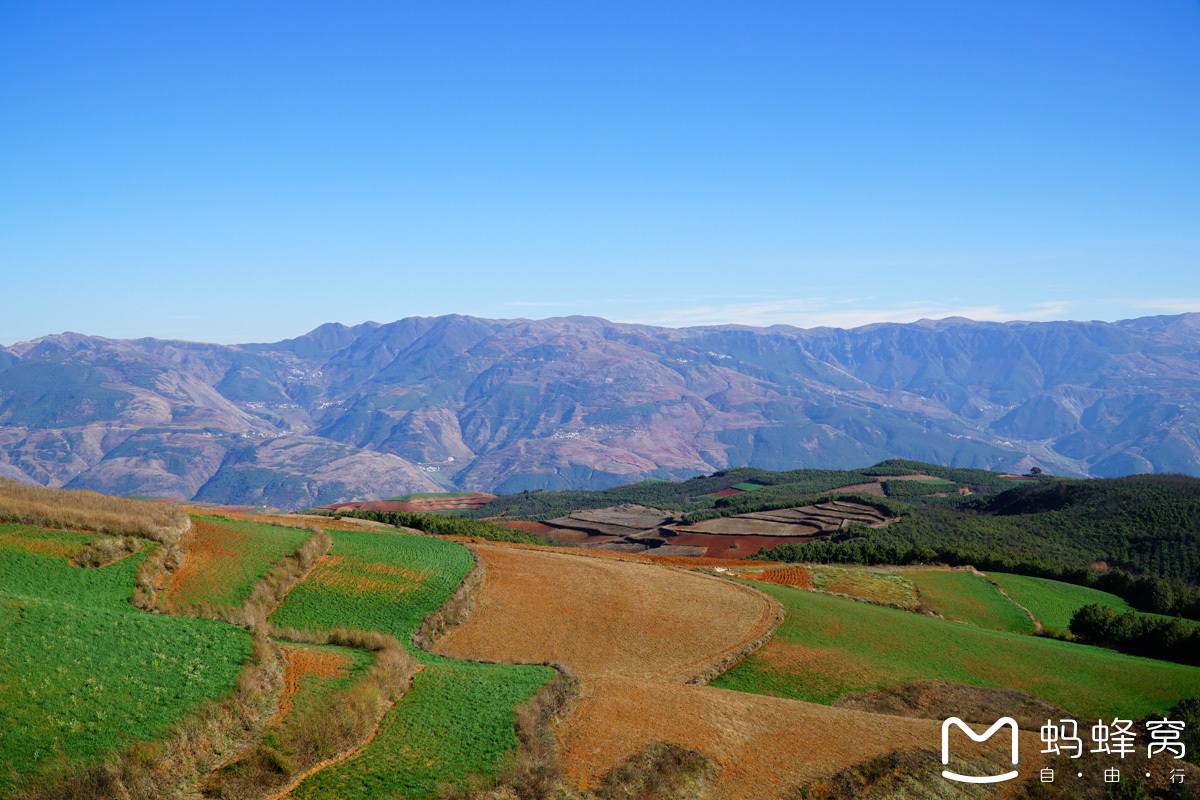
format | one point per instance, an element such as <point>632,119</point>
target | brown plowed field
<point>528,526</point>
<point>733,546</point>
<point>765,746</point>
<point>788,576</point>
<point>606,617</point>
<point>734,526</point>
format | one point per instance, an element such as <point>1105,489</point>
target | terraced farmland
<point>964,596</point>
<point>831,646</point>
<point>30,539</point>
<point>376,581</point>
<point>590,613</point>
<point>84,672</point>
<point>1054,602</point>
<point>226,557</point>
<point>458,717</point>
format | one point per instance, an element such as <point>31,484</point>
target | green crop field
<point>961,595</point>
<point>28,539</point>
<point>457,719</point>
<point>830,646</point>
<point>84,672</point>
<point>376,581</point>
<point>876,585</point>
<point>226,558</point>
<point>1054,602</point>
<point>458,716</point>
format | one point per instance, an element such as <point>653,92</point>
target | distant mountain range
<point>434,403</point>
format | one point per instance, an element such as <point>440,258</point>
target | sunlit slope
<point>84,672</point>
<point>634,634</point>
<point>830,646</point>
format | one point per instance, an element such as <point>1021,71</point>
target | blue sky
<point>244,171</point>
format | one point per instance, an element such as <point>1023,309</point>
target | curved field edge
<point>1054,602</point>
<point>84,672</point>
<point>964,596</point>
<point>828,647</point>
<point>225,559</point>
<point>458,718</point>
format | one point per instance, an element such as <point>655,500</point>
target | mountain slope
<point>507,405</point>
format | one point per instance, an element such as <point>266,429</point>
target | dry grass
<point>337,724</point>
<point>91,511</point>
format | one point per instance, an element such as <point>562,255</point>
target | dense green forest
<point>1137,634</point>
<point>1076,531</point>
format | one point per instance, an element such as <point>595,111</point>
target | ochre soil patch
<point>606,617</point>
<point>209,545</point>
<point>764,746</point>
<point>788,576</point>
<point>303,662</point>
<point>534,527</point>
<point>35,543</point>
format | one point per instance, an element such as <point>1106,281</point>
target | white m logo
<point>1000,723</point>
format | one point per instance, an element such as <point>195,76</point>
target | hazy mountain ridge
<point>578,402</point>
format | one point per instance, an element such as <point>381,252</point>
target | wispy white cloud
<point>1172,305</point>
<point>817,312</point>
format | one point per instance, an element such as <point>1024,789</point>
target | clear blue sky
<point>240,171</point>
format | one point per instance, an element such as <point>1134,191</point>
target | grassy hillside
<point>830,646</point>
<point>963,596</point>
<point>1053,602</point>
<point>83,672</point>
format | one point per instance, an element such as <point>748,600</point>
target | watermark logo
<point>1000,723</point>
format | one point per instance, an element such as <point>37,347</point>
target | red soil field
<point>733,546</point>
<point>727,493</point>
<point>788,576</point>
<point>209,544</point>
<point>531,527</point>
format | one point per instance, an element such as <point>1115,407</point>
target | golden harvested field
<point>606,617</point>
<point>765,746</point>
